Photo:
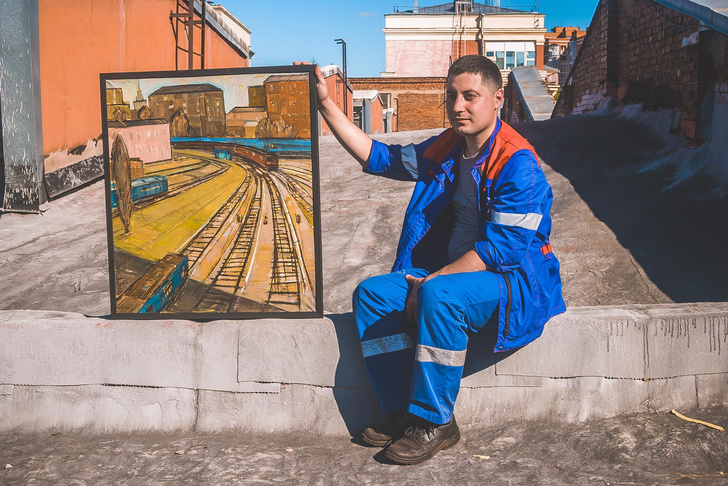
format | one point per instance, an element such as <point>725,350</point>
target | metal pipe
<point>190,36</point>
<point>346,93</point>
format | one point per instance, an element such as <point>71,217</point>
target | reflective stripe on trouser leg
<point>387,346</point>
<point>448,307</point>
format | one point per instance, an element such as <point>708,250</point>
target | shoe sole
<point>375,443</point>
<point>407,461</point>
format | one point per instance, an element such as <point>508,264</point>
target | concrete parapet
<point>65,371</point>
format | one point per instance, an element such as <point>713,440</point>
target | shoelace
<point>422,432</point>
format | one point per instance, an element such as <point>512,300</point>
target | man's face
<point>471,105</point>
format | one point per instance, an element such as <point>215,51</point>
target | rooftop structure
<point>424,41</point>
<point>186,88</point>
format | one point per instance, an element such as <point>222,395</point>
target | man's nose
<point>459,103</point>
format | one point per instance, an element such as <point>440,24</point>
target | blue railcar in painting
<point>153,291</point>
<point>223,154</point>
<point>142,188</point>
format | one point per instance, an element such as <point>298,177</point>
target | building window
<point>500,59</point>
<point>508,55</point>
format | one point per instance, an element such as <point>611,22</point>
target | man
<point>474,253</point>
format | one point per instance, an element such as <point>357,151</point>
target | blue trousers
<point>417,367</point>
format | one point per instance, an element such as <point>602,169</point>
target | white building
<point>424,41</point>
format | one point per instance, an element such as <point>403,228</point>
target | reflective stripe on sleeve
<point>428,354</point>
<point>387,344</point>
<point>409,160</point>
<point>528,221</point>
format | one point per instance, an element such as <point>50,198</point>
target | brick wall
<point>639,51</point>
<point>417,101</point>
<point>418,111</point>
<point>589,74</point>
<point>463,48</point>
<point>513,110</point>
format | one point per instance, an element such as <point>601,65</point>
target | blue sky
<point>288,30</point>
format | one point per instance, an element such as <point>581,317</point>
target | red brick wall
<point>418,111</point>
<point>589,74</point>
<point>640,58</point>
<point>463,48</point>
<point>417,102</point>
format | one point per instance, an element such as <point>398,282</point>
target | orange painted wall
<point>377,116</point>
<point>79,39</point>
<point>335,83</point>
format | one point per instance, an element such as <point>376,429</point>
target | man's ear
<point>498,96</point>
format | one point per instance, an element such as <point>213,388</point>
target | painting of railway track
<point>212,193</point>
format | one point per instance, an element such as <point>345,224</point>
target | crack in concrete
<point>645,281</point>
<point>697,393</point>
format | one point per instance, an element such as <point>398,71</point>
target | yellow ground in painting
<point>166,226</point>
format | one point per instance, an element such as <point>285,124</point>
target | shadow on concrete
<point>352,391</point>
<point>481,352</point>
<point>618,168</point>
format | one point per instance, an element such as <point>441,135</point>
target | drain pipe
<point>480,38</point>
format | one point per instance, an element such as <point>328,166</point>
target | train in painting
<point>156,288</point>
<point>142,189</point>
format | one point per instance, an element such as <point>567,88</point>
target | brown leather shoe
<point>382,434</point>
<point>422,441</point>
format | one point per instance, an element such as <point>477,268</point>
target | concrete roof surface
<point>621,236</point>
<point>634,449</point>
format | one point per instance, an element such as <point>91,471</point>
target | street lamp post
<point>346,94</point>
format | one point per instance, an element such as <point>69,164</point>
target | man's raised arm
<point>351,137</point>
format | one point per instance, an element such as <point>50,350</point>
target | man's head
<point>474,64</point>
<point>474,94</point>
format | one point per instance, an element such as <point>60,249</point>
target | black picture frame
<point>213,193</point>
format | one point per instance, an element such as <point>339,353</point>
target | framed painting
<point>212,193</point>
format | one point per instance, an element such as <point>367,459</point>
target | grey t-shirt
<point>467,227</point>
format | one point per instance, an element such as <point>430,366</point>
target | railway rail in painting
<point>303,176</point>
<point>298,193</point>
<point>288,278</point>
<point>207,234</point>
<point>231,277</point>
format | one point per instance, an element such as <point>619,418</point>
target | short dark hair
<point>475,64</point>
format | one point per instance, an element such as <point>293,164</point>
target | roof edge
<point>704,13</point>
<point>213,20</point>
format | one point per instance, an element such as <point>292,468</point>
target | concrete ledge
<point>65,371</point>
